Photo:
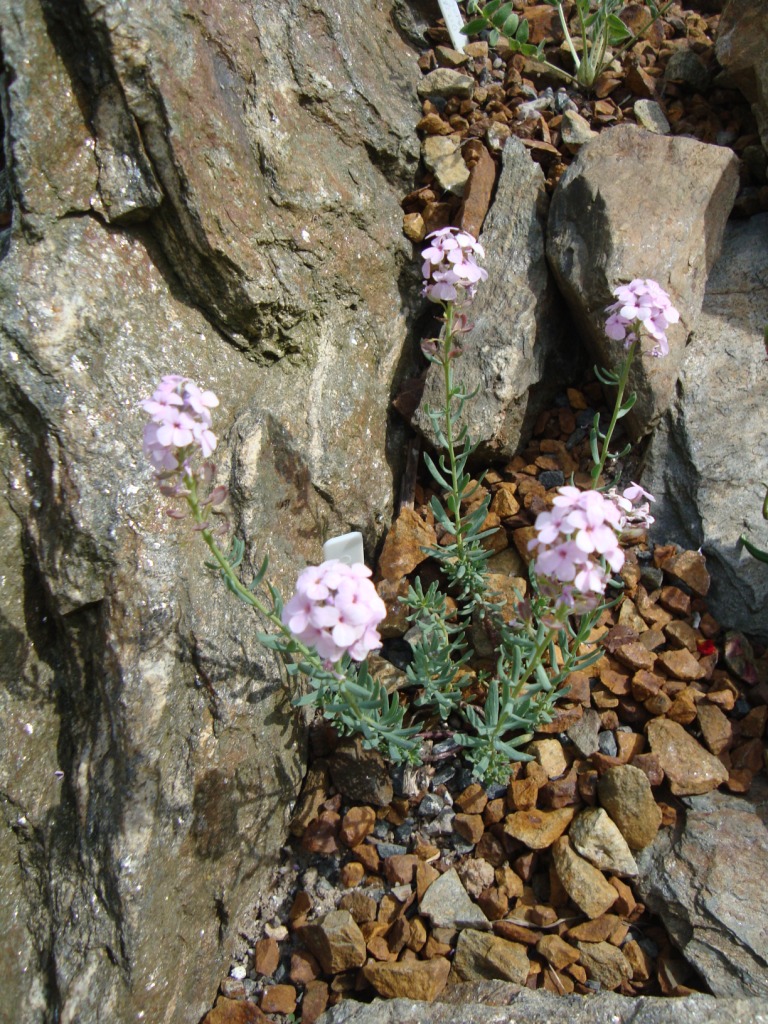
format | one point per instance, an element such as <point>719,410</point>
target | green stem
<point>447,362</point>
<point>571,47</point>
<point>621,386</point>
<point>246,595</point>
<point>535,661</point>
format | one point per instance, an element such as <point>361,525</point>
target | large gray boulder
<point>634,204</point>
<point>520,330</point>
<point>706,880</point>
<point>213,192</point>
<point>510,1005</point>
<point>707,463</point>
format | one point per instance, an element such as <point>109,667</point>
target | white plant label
<point>348,548</point>
<point>454,23</point>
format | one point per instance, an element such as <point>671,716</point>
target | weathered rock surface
<point>596,837</point>
<point>742,49</point>
<point>447,904</point>
<point>708,459</point>
<point>480,956</point>
<point>216,194</point>
<point>587,887</point>
<point>509,1005</point>
<point>689,768</point>
<point>423,979</point>
<point>706,880</point>
<point>610,222</point>
<point>518,317</point>
<point>625,793</point>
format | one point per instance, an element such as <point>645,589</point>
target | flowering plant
<point>326,630</point>
<point>641,307</point>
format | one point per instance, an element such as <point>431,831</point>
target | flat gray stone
<point>447,904</point>
<point>510,1005</point>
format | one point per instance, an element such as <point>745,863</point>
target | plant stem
<point>568,39</point>
<point>535,660</point>
<point>243,592</point>
<point>447,362</point>
<point>621,386</point>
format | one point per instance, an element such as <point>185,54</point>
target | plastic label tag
<point>348,548</point>
<point>454,23</point>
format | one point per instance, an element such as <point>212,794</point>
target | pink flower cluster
<point>449,267</point>
<point>181,420</point>
<point>645,302</point>
<point>634,510</point>
<point>574,543</point>
<point>336,610</point>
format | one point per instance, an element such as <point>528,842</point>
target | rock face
<point>518,317</point>
<point>707,461</point>
<point>212,193</point>
<point>525,1007</point>
<point>706,879</point>
<point>742,49</point>
<point>610,222</point>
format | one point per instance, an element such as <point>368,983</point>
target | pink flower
<point>634,512</point>
<point>180,421</point>
<point>336,610</point>
<point>644,302</point>
<point>450,267</point>
<point>576,543</point>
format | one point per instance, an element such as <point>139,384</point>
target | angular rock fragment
<point>410,979</point>
<point>336,942</point>
<point>625,792</point>
<point>447,904</point>
<point>596,837</point>
<point>586,886</point>
<point>689,767</point>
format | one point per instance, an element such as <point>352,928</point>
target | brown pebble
<point>266,957</point>
<point>680,664</point>
<point>302,904</point>
<point>321,834</point>
<point>635,656</point>
<point>473,799</point>
<point>425,876</point>
<point>315,1001</point>
<point>522,794</point>
<point>368,856</point>
<point>399,869</point>
<point>598,930</point>
<point>234,1011</point>
<point>625,902</point>
<point>304,967</point>
<point>469,827</point>
<point>675,601</point>
<point>279,999</point>
<point>494,903</point>
<point>352,874</point>
<point>516,932</point>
